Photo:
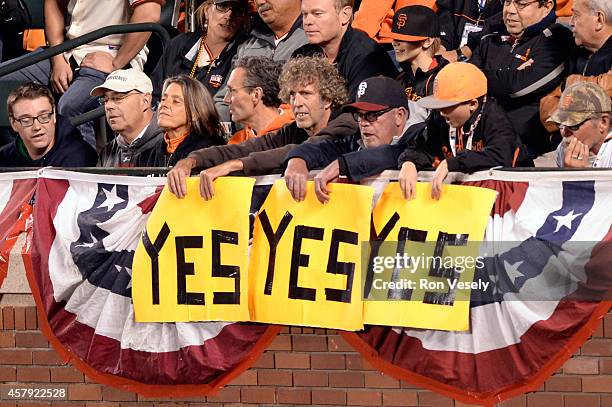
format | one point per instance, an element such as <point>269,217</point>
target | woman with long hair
<point>207,53</point>
<point>187,114</point>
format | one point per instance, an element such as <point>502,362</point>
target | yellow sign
<point>191,262</point>
<point>420,268</point>
<point>305,266</point>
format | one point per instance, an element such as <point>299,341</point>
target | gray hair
<point>602,6</point>
<point>262,72</point>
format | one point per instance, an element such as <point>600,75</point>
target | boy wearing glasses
<point>45,139</point>
<point>524,58</point>
<point>381,110</point>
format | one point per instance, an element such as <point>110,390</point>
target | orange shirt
<point>247,133</point>
<point>564,8</point>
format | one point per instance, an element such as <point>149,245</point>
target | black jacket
<point>69,150</point>
<point>355,161</point>
<point>420,84</point>
<point>519,91</point>
<point>173,62</point>
<point>494,143</point>
<point>455,14</point>
<point>592,64</point>
<point>158,156</point>
<point>359,57</point>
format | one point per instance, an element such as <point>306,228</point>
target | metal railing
<point>82,40</point>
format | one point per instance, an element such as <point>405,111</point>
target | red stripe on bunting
<point>101,358</point>
<point>13,219</point>
<point>510,194</point>
<point>488,377</point>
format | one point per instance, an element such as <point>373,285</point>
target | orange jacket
<point>376,16</point>
<point>564,8</point>
<point>247,133</point>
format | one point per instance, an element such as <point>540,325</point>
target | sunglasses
<point>575,127</point>
<point>370,117</point>
<point>236,8</point>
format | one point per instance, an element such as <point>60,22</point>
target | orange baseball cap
<point>456,83</point>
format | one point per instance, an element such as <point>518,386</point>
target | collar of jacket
<point>420,74</point>
<point>347,38</point>
<point>150,132</point>
<point>194,38</point>
<point>606,49</point>
<point>535,29</point>
<point>472,119</point>
<point>264,33</point>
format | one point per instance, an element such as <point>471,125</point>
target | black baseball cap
<point>414,23</point>
<point>378,93</point>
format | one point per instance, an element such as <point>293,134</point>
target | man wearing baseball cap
<point>583,117</point>
<point>126,96</point>
<point>468,132</point>
<point>416,40</point>
<point>381,110</point>
<point>524,56</point>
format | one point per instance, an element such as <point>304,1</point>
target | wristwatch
<point>461,57</point>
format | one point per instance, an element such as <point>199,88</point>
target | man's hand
<point>177,175</point>
<point>102,61</point>
<point>576,154</point>
<point>329,174</point>
<point>450,56</point>
<point>525,65</point>
<point>439,177</point>
<point>407,180</point>
<point>207,190</point>
<point>296,176</point>
<point>61,74</point>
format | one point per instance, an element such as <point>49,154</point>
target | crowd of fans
<point>289,86</point>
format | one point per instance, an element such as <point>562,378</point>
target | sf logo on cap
<point>362,88</point>
<point>567,101</point>
<point>401,20</point>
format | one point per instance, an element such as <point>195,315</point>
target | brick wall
<point>302,366</point>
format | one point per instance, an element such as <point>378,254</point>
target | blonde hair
<point>201,15</point>
<point>304,71</point>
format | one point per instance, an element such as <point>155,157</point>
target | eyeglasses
<point>370,117</point>
<point>231,91</point>
<point>28,121</point>
<point>237,9</point>
<point>519,4</point>
<point>575,127</point>
<point>118,98</point>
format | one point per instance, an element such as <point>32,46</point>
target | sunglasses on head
<point>236,8</point>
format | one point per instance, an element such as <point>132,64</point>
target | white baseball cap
<point>124,80</point>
